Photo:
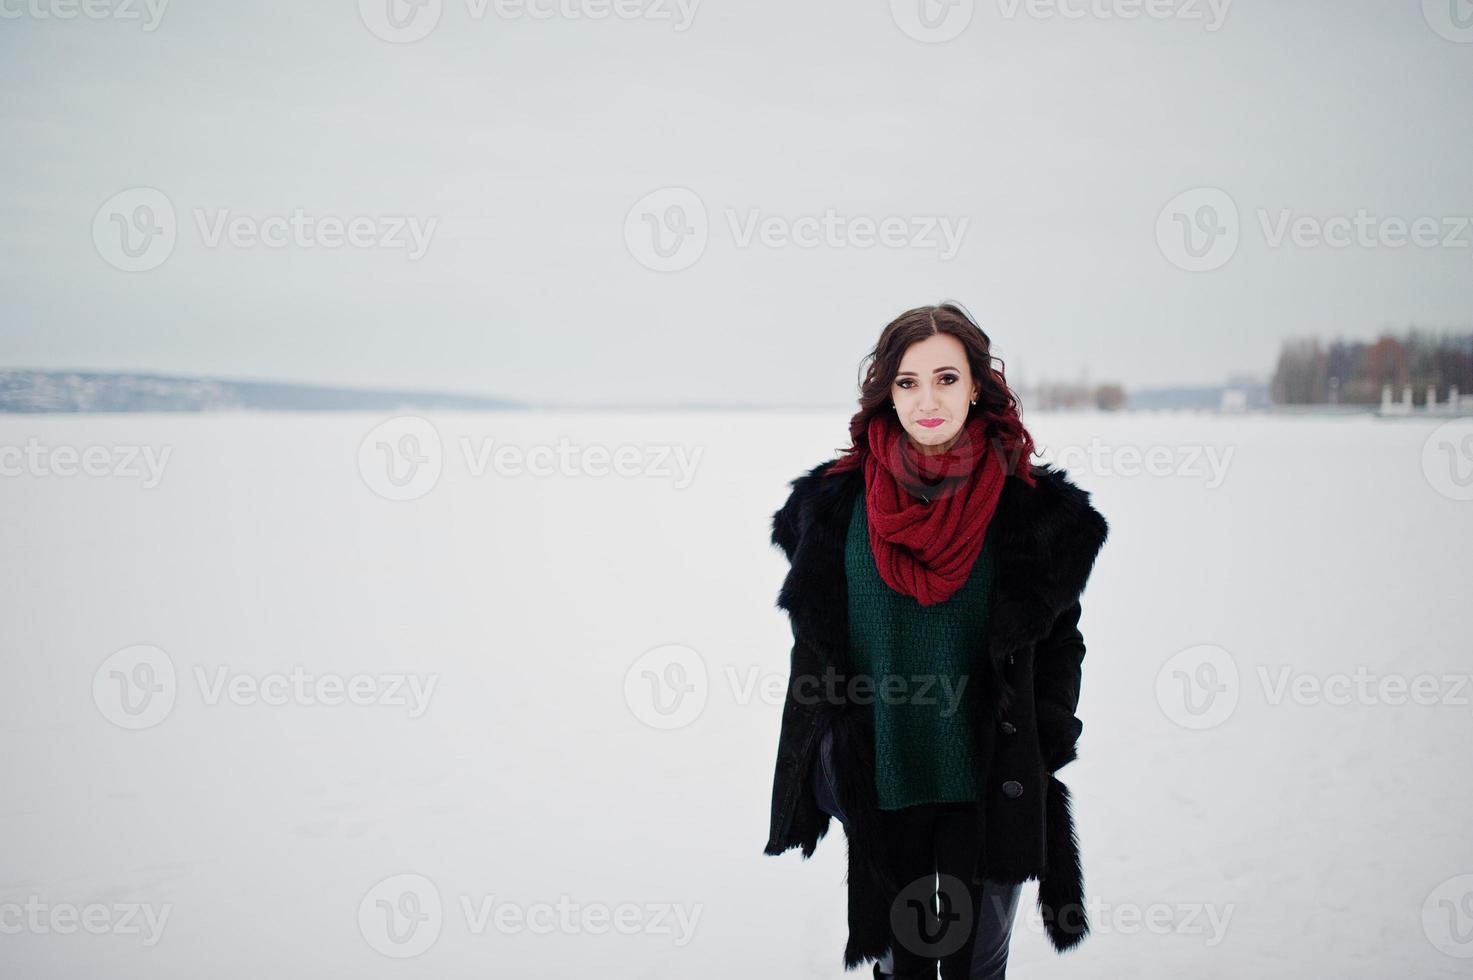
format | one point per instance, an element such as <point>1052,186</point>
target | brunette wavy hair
<point>996,402</point>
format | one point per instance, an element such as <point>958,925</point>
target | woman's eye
<point>910,383</point>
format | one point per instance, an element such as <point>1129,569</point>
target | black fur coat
<point>1047,537</point>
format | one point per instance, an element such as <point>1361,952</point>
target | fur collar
<point>1046,539</point>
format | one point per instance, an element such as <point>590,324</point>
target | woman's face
<point>934,384</point>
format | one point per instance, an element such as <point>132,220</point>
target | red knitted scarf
<point>928,515</point>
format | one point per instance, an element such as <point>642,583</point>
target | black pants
<point>938,916</point>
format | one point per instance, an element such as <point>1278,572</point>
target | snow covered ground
<point>277,703</point>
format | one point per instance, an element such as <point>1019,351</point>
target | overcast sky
<point>555,208</point>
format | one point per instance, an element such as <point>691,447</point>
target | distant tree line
<point>1053,395</point>
<point>1353,371</point>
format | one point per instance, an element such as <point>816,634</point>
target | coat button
<point>1012,789</point>
<point>1008,728</point>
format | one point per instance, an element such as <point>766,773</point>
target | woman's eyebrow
<point>937,371</point>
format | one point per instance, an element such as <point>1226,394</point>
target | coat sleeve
<point>796,820</point>
<point>785,524</point>
<point>1056,677</point>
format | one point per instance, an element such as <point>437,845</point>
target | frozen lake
<point>278,702</point>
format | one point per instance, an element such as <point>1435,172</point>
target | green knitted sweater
<point>919,658</point>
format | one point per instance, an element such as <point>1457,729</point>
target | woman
<point>934,600</point>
